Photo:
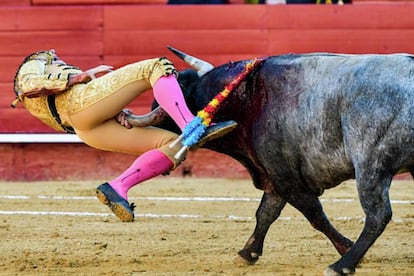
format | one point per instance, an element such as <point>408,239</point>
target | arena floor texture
<point>185,226</point>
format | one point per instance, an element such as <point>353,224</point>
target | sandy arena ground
<point>185,226</point>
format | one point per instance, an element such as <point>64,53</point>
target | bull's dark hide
<point>309,122</point>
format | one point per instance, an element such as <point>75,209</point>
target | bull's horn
<point>201,66</point>
<point>150,119</point>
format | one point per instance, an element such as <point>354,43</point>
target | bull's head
<point>157,115</point>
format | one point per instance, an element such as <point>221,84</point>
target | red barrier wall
<point>88,35</point>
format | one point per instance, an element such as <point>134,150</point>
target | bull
<point>308,122</point>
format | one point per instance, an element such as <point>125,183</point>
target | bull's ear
<point>201,66</point>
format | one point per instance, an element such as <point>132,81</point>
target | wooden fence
<point>92,32</point>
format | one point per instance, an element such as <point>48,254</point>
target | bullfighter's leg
<point>269,210</point>
<point>373,190</point>
<point>168,94</point>
<point>310,206</point>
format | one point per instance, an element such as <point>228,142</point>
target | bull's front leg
<point>310,206</point>
<point>269,210</point>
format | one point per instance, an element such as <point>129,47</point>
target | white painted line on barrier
<point>39,138</point>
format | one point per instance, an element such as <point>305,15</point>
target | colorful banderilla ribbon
<point>196,128</point>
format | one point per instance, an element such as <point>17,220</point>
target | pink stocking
<point>148,165</point>
<point>168,94</point>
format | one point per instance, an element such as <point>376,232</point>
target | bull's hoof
<point>345,271</point>
<point>245,258</point>
<point>241,262</point>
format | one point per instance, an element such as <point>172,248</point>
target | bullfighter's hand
<point>88,75</point>
<point>168,67</point>
<point>121,118</point>
<point>99,70</point>
<point>78,78</point>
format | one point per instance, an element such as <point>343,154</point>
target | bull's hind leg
<point>374,198</point>
<point>269,210</point>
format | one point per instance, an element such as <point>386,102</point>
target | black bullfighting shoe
<point>216,131</point>
<point>119,206</point>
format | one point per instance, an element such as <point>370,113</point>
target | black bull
<point>308,123</point>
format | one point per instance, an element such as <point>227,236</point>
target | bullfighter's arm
<point>35,81</point>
